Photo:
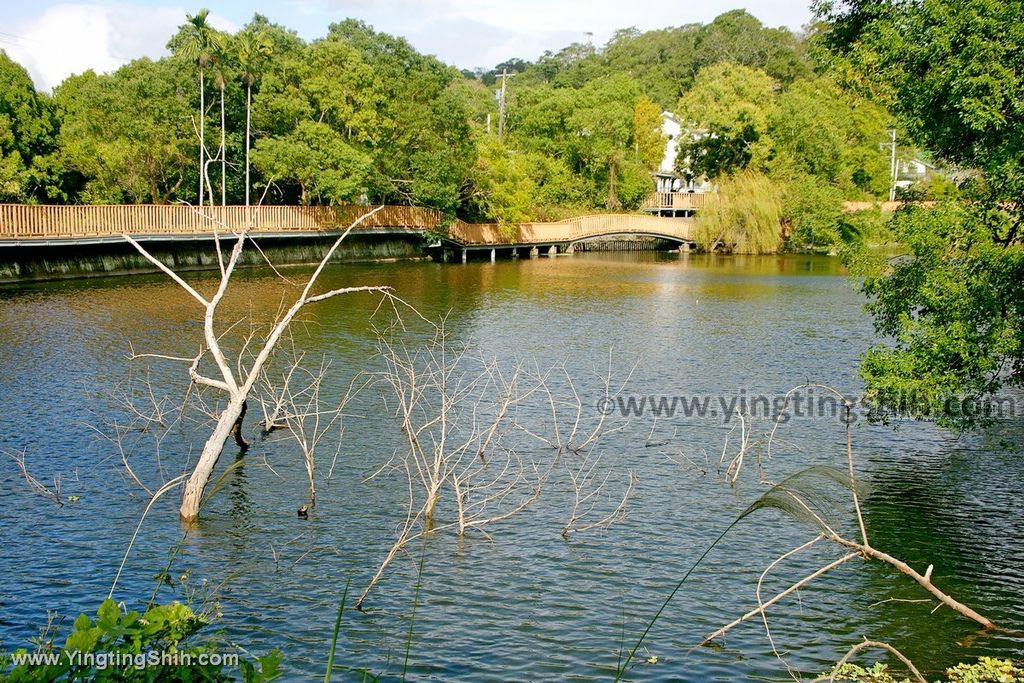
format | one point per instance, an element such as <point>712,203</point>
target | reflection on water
<point>525,605</point>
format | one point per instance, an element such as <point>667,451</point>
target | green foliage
<point>744,216</point>
<point>955,312</point>
<point>814,211</point>
<point>821,131</point>
<point>954,306</point>
<point>423,149</point>
<point>730,104</point>
<point>664,62</point>
<point>128,135</point>
<point>876,673</point>
<point>985,670</point>
<point>26,135</point>
<point>512,186</point>
<point>648,139</point>
<point>318,159</point>
<point>947,68</point>
<point>129,646</point>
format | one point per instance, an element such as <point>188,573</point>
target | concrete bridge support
<point>465,254</point>
<point>570,248</point>
<point>534,252</point>
<point>494,255</point>
<point>553,250</point>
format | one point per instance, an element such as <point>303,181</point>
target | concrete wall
<point>19,264</point>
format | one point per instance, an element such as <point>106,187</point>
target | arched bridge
<point>23,225</point>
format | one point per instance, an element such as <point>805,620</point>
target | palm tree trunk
<point>248,109</point>
<point>202,142</point>
<point>223,154</point>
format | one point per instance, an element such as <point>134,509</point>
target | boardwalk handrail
<point>675,200</point>
<point>28,221</point>
<point>39,222</point>
<point>570,230</point>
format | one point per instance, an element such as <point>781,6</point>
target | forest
<point>361,116</point>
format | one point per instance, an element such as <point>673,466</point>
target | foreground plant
<point>116,645</point>
<point>985,670</point>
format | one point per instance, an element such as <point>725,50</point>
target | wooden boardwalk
<point>26,224</point>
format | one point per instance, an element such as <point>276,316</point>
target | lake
<point>521,602</point>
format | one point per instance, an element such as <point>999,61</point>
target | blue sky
<point>55,39</point>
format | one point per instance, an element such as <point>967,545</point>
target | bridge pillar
<point>570,248</point>
<point>515,252</point>
<point>552,250</point>
<point>534,252</point>
<point>684,247</point>
<point>494,255</point>
<point>444,255</point>
<point>464,255</point>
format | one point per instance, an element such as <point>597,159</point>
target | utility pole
<point>892,162</point>
<point>501,104</point>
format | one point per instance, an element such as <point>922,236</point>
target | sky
<point>55,39</point>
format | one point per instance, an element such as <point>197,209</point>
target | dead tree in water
<point>464,421</point>
<point>234,380</point>
<point>802,496</point>
<point>805,497</point>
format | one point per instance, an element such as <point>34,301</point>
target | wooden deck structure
<point>26,225</point>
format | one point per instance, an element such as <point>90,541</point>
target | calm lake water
<point>523,604</point>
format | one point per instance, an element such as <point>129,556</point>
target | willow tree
<point>743,216</point>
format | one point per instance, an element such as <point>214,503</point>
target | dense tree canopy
<point>361,115</point>
<point>955,307</point>
<point>26,134</point>
<point>128,135</point>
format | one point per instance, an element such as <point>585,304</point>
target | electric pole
<point>501,104</point>
<point>892,163</point>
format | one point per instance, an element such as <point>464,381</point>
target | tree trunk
<point>223,154</point>
<point>196,484</point>
<point>202,142</point>
<point>248,111</point>
<point>236,429</point>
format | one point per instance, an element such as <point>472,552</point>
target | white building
<point>667,178</point>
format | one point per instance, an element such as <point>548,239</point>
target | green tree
<point>955,308</point>
<point>128,134</point>
<point>648,138</point>
<point>318,159</point>
<point>819,130</point>
<point>27,135</point>
<point>422,148</point>
<point>744,215</point>
<point>731,105</point>
<point>511,186</point>
<point>318,111</point>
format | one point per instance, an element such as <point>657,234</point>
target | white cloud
<point>71,38</point>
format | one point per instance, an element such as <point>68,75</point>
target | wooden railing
<point>49,222</point>
<point>675,200</point>
<point>25,221</point>
<point>570,230</point>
